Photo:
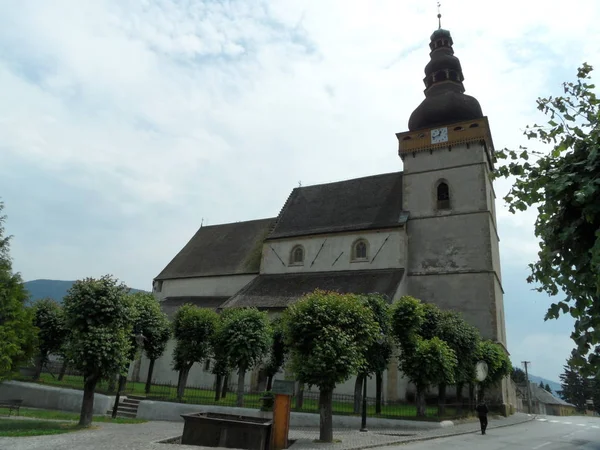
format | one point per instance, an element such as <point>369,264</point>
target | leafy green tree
<point>248,335</point>
<point>518,376</point>
<point>97,315</point>
<point>499,365</point>
<point>575,388</point>
<point>563,185</point>
<point>277,352</point>
<point>378,355</point>
<point>424,358</point>
<point>328,334</point>
<point>17,333</point>
<point>464,340</point>
<point>154,325</point>
<point>193,329</point>
<point>547,388</point>
<point>221,365</point>
<point>50,321</point>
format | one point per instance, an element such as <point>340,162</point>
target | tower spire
<point>439,16</point>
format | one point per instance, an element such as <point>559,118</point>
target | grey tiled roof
<point>275,291</point>
<point>171,304</point>
<point>228,249</point>
<point>359,204</point>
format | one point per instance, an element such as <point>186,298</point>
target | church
<point>428,231</point>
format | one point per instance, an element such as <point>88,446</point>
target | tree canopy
<point>17,333</point>
<point>97,315</point>
<point>499,365</point>
<point>248,334</point>
<point>563,186</point>
<point>50,321</point>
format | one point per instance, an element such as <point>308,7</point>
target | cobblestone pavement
<point>146,436</point>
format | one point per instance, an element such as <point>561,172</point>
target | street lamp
<point>139,340</point>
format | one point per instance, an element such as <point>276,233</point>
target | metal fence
<point>55,373</point>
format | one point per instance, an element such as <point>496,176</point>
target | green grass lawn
<point>14,428</point>
<point>63,415</point>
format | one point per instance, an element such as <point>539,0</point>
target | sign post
<point>283,390</point>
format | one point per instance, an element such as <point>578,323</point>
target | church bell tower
<point>448,157</point>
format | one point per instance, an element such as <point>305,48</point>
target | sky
<point>126,123</point>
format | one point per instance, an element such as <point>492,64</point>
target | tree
<point>328,334</point>
<point>541,384</point>
<point>248,335</point>
<point>379,353</point>
<point>424,358</point>
<point>547,388</point>
<point>221,366</point>
<point>499,365</point>
<point>464,340</point>
<point>518,376</point>
<point>97,315</point>
<point>154,325</point>
<point>193,329</point>
<point>17,332</point>
<point>277,352</point>
<point>563,186</point>
<point>50,321</point>
<point>575,388</point>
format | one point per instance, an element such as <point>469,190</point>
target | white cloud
<point>218,109</point>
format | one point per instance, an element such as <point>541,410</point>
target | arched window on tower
<point>443,196</point>
<point>297,256</point>
<point>360,250</point>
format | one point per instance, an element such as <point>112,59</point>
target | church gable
<point>227,249</point>
<point>351,205</point>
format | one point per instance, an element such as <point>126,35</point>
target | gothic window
<point>360,250</point>
<point>297,256</point>
<point>443,196</point>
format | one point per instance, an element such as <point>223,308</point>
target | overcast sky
<point>124,123</point>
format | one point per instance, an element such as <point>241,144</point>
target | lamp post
<point>139,340</point>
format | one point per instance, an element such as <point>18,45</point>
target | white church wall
<point>203,286</point>
<point>391,252</point>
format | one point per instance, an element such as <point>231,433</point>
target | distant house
<point>543,402</point>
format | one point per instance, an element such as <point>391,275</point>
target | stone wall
<point>50,397</point>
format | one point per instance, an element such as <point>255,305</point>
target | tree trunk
<point>225,385</point>
<point>358,384</point>
<point>240,387</point>
<point>39,364</point>
<point>300,396</point>
<point>269,382</point>
<point>182,382</point>
<point>326,416</point>
<point>420,399</point>
<point>459,397</point>
<point>218,380</point>
<point>378,391</point>
<point>87,405</point>
<point>63,369</point>
<point>149,377</point>
<point>441,400</point>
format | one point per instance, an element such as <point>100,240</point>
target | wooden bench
<point>12,405</point>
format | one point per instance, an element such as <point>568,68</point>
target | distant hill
<point>553,384</point>
<point>54,289</point>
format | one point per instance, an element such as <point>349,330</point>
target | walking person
<point>482,412</point>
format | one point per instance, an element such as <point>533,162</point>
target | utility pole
<point>526,363</point>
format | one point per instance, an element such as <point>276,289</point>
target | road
<point>543,433</point>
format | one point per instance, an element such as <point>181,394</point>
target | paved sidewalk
<point>146,436</point>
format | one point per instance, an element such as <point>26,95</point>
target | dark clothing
<point>482,411</point>
<point>483,422</point>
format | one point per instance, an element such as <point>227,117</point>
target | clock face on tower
<point>439,135</point>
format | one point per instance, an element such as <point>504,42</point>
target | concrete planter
<point>226,430</point>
